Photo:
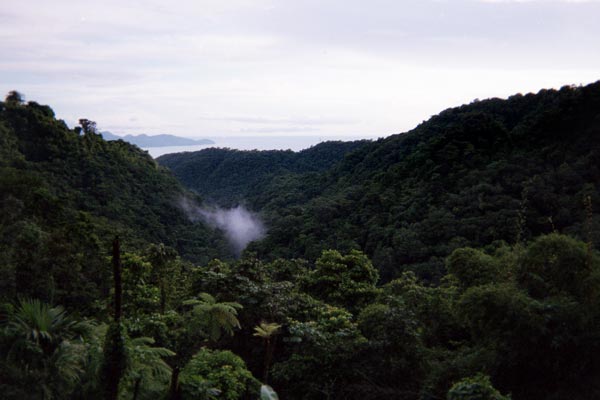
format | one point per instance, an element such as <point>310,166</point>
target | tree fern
<point>147,375</point>
<point>214,317</point>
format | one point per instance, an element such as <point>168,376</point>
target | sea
<point>294,143</point>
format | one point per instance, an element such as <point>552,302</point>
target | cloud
<point>239,225</point>
<point>540,1</point>
<point>280,130</point>
<point>304,121</point>
<point>215,68</point>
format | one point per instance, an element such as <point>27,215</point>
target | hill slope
<point>520,319</point>
<point>65,195</point>
<point>229,176</point>
<point>494,170</point>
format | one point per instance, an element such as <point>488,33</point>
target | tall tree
<point>146,370</point>
<point>267,331</point>
<point>344,280</point>
<point>14,97</point>
<point>214,317</point>
<point>114,344</point>
<point>207,320</point>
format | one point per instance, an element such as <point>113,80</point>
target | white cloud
<point>540,1</point>
<point>217,68</point>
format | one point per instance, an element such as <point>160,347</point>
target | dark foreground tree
<point>114,345</point>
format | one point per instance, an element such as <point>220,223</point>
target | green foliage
<point>537,336</point>
<point>473,267</point>
<point>215,173</point>
<point>344,280</point>
<point>220,370</point>
<point>140,297</point>
<point>464,218</point>
<point>327,339</point>
<point>14,97</point>
<point>167,275</point>
<point>41,324</point>
<point>393,361</point>
<point>43,351</point>
<point>434,307</point>
<point>477,387</point>
<point>494,311</point>
<point>266,330</point>
<point>146,375</point>
<point>494,170</point>
<point>213,317</point>
<point>556,264</point>
<point>64,195</point>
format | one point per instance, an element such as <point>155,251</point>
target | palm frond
<point>215,317</point>
<point>266,330</point>
<point>145,361</point>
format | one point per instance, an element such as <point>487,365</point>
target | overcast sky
<point>303,67</point>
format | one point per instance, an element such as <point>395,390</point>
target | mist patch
<point>240,225</point>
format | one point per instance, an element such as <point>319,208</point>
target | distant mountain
<point>156,140</point>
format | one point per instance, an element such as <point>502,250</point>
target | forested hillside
<point>456,261</point>
<point>227,176</point>
<point>67,193</point>
<point>477,175</point>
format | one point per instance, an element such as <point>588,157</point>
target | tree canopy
<point>458,260</point>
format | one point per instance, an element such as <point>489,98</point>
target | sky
<point>208,68</point>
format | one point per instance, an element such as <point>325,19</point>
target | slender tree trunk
<point>114,348</point>
<point>163,296</point>
<point>270,350</point>
<point>116,262</point>
<point>589,215</point>
<point>174,391</point>
<point>136,388</point>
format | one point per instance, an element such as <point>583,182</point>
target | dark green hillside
<point>231,176</point>
<point>473,175</point>
<point>492,320</point>
<point>493,170</point>
<point>65,194</point>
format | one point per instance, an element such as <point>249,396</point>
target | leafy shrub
<point>477,387</point>
<point>217,369</point>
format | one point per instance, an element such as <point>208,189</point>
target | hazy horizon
<point>294,143</point>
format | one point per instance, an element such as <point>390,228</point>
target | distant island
<point>144,140</point>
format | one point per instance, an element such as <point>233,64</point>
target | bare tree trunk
<point>114,347</point>
<point>136,388</point>
<point>116,261</point>
<point>174,391</point>
<point>163,296</point>
<point>268,358</point>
